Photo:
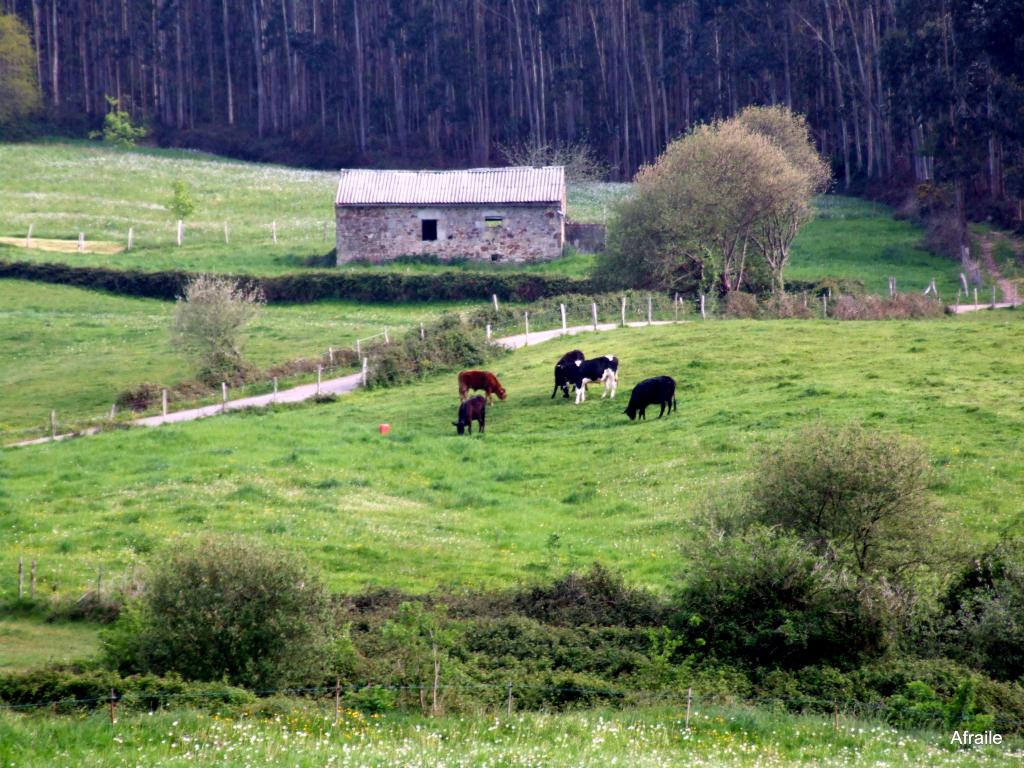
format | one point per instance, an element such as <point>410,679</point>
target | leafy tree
<point>208,324</point>
<point>182,205</point>
<point>854,496</point>
<point>422,637</point>
<point>19,91</point>
<point>227,609</point>
<point>698,207</point>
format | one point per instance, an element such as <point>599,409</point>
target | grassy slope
<point>423,507</point>
<point>65,188</point>
<point>73,350</point>
<point>644,738</point>
<point>26,643</point>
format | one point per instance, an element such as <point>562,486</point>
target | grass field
<point>74,350</point>
<point>551,485</point>
<point>64,188</point>
<point>27,642</point>
<point>644,738</point>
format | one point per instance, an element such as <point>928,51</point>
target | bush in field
<point>447,344</point>
<point>856,497</point>
<point>902,306</point>
<point>984,609</point>
<point>226,610</point>
<point>741,305</point>
<point>118,127</point>
<point>208,324</point>
<point>762,596</point>
<point>182,205</point>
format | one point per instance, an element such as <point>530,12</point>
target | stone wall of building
<point>516,233</point>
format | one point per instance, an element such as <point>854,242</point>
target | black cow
<point>474,409</point>
<point>562,371</point>
<point>661,390</point>
<point>604,369</point>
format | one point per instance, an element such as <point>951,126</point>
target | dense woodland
<point>910,89</point>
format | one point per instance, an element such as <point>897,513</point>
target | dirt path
<point>340,386</point>
<point>1008,289</point>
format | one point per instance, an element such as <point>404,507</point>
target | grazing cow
<point>562,372</point>
<point>483,380</point>
<point>661,390</point>
<point>604,369</point>
<point>474,409</point>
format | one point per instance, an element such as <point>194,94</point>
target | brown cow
<point>482,380</point>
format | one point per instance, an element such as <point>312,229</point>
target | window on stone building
<point>428,229</point>
<point>492,222</point>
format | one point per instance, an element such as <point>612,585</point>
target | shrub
<point>447,344</point>
<point>138,398</point>
<point>983,609</point>
<point>761,596</point>
<point>208,323</point>
<point>597,597</point>
<point>226,610</point>
<point>857,496</point>
<point>741,305</point>
<point>902,306</point>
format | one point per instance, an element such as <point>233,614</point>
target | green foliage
<point>761,596</point>
<point>118,128</point>
<point>448,344</point>
<point>19,91</point>
<point>982,612</point>
<point>209,320</point>
<point>226,609</point>
<point>182,205</point>
<point>854,495</point>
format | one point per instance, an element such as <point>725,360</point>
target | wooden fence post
<point>163,402</point>
<point>330,356</point>
<point>21,577</point>
<point>993,295</point>
<point>526,323</point>
<point>81,242</point>
<point>113,411</point>
<point>275,388</point>
<point>113,707</point>
<point>53,424</point>
<point>975,296</point>
<point>386,339</point>
<point>494,298</point>
<point>224,395</point>
<point>835,715</point>
<point>565,327</point>
<point>273,231</point>
<point>508,700</point>
<point>227,239</point>
<point>319,373</point>
<point>423,332</point>
<point>650,310</point>
<point>703,315</point>
<point>366,369</point>
<point>337,700</point>
<point>359,349</point>
<point>675,309</point>
<point>622,311</point>
<point>99,581</point>
<point>131,237</point>
<point>963,282</point>
<point>824,306</point>
<point>593,312</point>
<point>181,231</point>
<point>28,240</point>
<point>689,702</point>
<point>32,581</point>
<point>488,331</point>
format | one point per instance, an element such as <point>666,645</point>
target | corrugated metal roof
<point>476,185</point>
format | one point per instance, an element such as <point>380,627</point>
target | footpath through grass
<point>550,485</point>
<point>654,738</point>
<point>73,351</point>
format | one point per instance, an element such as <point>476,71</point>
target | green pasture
<point>551,485</point>
<point>63,188</point>
<point>27,643</point>
<point>722,736</point>
<point>73,350</point>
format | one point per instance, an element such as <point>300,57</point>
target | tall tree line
<point>922,89</point>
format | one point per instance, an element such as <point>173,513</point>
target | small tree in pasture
<point>19,91</point>
<point>856,496</point>
<point>182,205</point>
<point>422,636</point>
<point>209,321</point>
<point>118,127</point>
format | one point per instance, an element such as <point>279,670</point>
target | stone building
<point>491,214</point>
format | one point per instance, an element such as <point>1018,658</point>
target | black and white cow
<point>661,390</point>
<point>604,369</point>
<point>567,361</point>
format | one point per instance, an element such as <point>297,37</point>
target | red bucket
<point>385,429</point>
